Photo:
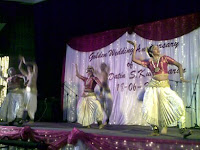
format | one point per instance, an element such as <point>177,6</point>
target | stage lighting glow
<point>4,63</point>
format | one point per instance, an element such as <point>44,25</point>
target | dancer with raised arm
<point>89,109</point>
<point>30,94</point>
<point>13,105</point>
<point>161,105</point>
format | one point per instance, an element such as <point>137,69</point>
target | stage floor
<point>116,130</point>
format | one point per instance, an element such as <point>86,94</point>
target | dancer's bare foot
<point>164,130</point>
<point>185,135</point>
<point>155,131</point>
<point>30,122</point>
<point>101,126</point>
<point>154,134</point>
<point>20,122</point>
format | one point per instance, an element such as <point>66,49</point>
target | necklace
<point>88,80</point>
<point>156,68</point>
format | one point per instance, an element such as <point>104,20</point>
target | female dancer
<point>13,105</point>
<point>90,110</point>
<point>161,105</point>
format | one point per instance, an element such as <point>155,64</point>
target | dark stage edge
<point>117,130</point>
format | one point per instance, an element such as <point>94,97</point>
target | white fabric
<point>12,107</point>
<point>162,106</point>
<point>127,79</point>
<point>89,111</point>
<point>30,100</point>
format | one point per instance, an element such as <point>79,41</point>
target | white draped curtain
<point>127,80</point>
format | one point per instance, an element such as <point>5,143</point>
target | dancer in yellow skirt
<point>161,105</point>
<point>89,110</point>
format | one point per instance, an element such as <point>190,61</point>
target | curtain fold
<point>159,30</point>
<point>169,28</point>
<point>96,41</point>
<point>77,139</point>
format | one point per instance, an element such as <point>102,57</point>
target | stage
<point>112,136</point>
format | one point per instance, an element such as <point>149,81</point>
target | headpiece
<point>149,50</point>
<point>90,69</point>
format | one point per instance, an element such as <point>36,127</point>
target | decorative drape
<point>159,30</point>
<point>169,28</point>
<point>77,139</point>
<point>127,80</point>
<point>53,139</point>
<point>96,41</point>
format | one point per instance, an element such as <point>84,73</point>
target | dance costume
<point>161,105</point>
<point>13,105</point>
<point>30,101</point>
<point>89,109</point>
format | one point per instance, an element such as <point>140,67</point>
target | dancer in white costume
<point>13,105</point>
<point>161,105</point>
<point>30,94</point>
<point>89,109</point>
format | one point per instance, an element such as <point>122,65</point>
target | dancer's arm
<point>139,62</point>
<point>180,68</point>
<point>78,75</point>
<point>22,60</point>
<point>35,67</point>
<point>22,77</point>
<point>100,85</point>
<point>107,69</point>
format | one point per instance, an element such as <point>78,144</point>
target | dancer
<point>30,95</point>
<point>89,109</point>
<point>161,105</point>
<point>106,97</point>
<point>13,105</point>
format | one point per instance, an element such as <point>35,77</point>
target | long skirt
<point>13,106</point>
<point>89,111</point>
<point>30,100</point>
<point>162,106</point>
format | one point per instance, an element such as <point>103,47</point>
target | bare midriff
<point>88,90</point>
<point>161,77</point>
